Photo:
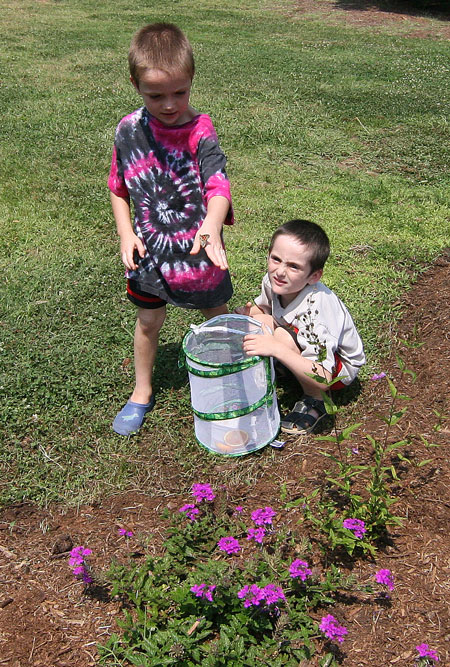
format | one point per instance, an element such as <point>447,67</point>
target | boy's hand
<point>263,345</point>
<point>244,310</point>
<point>209,238</point>
<point>128,247</point>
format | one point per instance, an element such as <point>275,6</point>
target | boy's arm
<point>129,242</point>
<point>249,309</point>
<point>216,212</point>
<point>267,345</point>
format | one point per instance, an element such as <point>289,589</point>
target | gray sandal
<point>299,421</point>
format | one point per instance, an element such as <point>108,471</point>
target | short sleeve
<point>116,181</point>
<point>212,163</point>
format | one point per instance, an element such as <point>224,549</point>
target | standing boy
<point>168,166</point>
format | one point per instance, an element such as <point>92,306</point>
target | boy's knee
<point>151,321</point>
<point>287,338</point>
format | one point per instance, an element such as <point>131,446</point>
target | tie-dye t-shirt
<point>170,173</point>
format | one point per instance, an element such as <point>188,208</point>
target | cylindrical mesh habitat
<point>233,396</point>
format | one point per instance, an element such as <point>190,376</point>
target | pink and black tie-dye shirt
<point>170,173</point>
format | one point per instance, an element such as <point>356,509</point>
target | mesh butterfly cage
<point>233,396</point>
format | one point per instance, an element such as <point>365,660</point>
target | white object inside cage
<point>233,396</point>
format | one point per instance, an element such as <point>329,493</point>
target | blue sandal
<point>130,419</point>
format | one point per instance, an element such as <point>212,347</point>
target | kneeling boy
<point>307,320</point>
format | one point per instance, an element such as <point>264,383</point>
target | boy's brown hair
<point>310,234</point>
<point>160,46</point>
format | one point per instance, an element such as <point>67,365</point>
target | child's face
<point>166,96</point>
<point>289,268</point>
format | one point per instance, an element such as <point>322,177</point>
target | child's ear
<point>315,276</point>
<point>135,83</point>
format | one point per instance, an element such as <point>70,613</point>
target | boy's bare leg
<point>213,312</point>
<point>148,325</point>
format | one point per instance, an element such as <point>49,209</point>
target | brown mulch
<point>45,619</point>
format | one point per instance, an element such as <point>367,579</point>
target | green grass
<point>319,120</point>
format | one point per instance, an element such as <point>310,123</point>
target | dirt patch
<point>431,22</point>
<point>46,620</point>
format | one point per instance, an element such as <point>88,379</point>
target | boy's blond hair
<point>160,46</point>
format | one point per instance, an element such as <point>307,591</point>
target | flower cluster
<point>300,569</point>
<point>331,628</point>
<point>386,578</point>
<point>125,533</point>
<point>378,376</point>
<point>357,527</point>
<point>190,511</point>
<point>203,492</point>
<point>203,591</point>
<point>263,516</point>
<point>78,564</point>
<point>426,652</point>
<point>254,595</point>
<point>256,534</point>
<point>229,544</point>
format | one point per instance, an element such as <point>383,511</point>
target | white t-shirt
<point>319,318</point>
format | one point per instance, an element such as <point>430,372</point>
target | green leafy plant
<point>201,603</point>
<point>358,493</point>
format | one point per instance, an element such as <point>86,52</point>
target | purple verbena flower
<point>331,628</point>
<point>357,527</point>
<point>238,509</point>
<point>125,532</point>
<point>190,510</point>
<point>256,534</point>
<point>77,555</point>
<point>386,578</point>
<point>273,593</point>
<point>252,595</point>
<point>299,569</point>
<point>74,561</point>
<point>426,652</point>
<point>262,516</point>
<point>229,544</point>
<point>201,591</point>
<point>202,492</point>
<point>78,565</point>
<point>86,577</point>
<point>209,593</point>
<point>378,376</point>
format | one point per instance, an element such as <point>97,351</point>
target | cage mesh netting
<point>233,396</point>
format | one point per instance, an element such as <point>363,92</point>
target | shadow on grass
<point>438,9</point>
<point>289,391</point>
<point>168,374</point>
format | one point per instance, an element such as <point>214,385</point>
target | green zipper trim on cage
<point>232,414</point>
<point>225,369</point>
<point>238,365</point>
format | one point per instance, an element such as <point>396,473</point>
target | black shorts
<point>143,299</point>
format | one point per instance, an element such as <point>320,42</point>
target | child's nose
<point>169,102</point>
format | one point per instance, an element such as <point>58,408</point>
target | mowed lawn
<point>321,119</point>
